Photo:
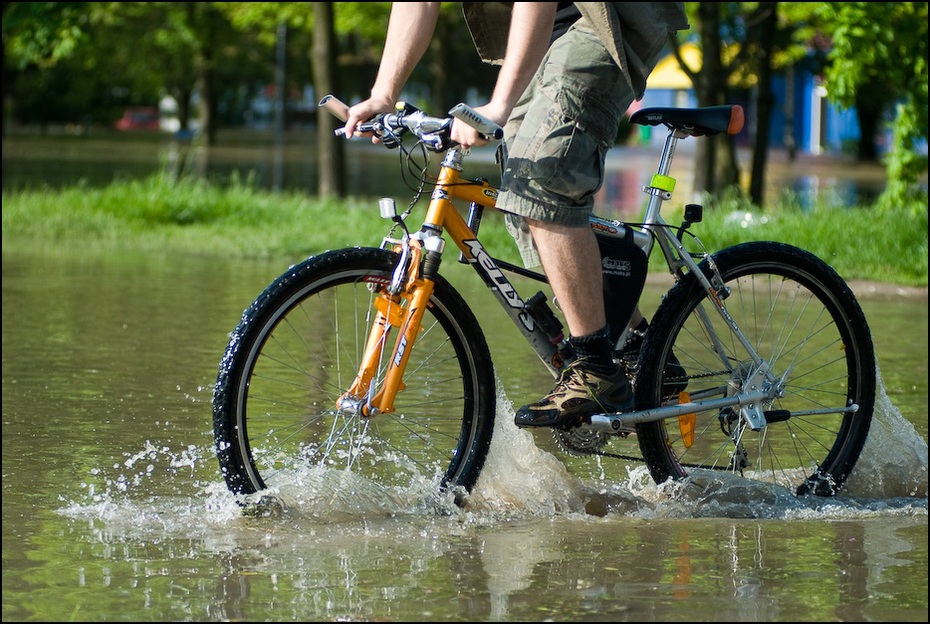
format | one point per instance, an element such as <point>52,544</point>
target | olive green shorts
<point>557,137</point>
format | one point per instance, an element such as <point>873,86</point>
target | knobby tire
<point>807,324</point>
<point>297,349</point>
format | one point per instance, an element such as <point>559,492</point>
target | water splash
<point>521,479</point>
<point>155,489</point>
<point>894,460</point>
<point>160,489</point>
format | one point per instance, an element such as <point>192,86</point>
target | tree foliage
<point>876,59</point>
<point>43,33</point>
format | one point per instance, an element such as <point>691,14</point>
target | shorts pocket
<point>554,159</point>
<point>571,162</point>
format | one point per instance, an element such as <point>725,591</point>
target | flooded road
<point>114,508</point>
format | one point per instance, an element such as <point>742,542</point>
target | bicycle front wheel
<point>297,350</point>
<point>806,324</point>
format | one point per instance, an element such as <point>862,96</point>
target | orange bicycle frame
<point>405,308</point>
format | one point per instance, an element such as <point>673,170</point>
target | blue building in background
<point>802,118</point>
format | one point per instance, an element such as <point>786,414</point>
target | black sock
<point>596,350</point>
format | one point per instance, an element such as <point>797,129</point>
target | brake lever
<point>390,138</point>
<point>435,142</point>
<point>375,127</point>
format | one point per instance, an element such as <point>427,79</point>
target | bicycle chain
<point>640,459</point>
<point>566,447</point>
<point>600,453</point>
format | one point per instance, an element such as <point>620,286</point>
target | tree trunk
<point>205,86</point>
<point>330,150</point>
<point>765,100</point>
<point>199,18</point>
<point>716,165</point>
<point>709,88</point>
<point>439,65</point>
<point>182,95</point>
<point>869,114</point>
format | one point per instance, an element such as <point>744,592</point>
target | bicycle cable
<point>418,170</point>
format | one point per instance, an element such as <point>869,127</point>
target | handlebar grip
<point>335,106</point>
<point>479,122</point>
<point>340,110</point>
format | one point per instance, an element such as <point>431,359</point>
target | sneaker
<point>577,395</point>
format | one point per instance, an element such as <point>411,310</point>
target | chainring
<point>582,440</point>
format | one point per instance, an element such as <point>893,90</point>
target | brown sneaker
<point>577,395</point>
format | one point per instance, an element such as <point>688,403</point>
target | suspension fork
<point>401,306</point>
<point>403,303</point>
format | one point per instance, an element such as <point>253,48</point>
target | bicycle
<point>758,361</point>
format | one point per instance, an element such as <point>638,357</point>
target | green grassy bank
<point>161,215</point>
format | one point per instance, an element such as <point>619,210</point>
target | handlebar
<point>434,132</point>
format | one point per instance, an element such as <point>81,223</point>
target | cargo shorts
<point>558,134</point>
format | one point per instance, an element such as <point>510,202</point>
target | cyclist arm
<point>530,31</point>
<point>410,30</point>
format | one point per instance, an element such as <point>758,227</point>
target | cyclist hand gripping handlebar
<point>409,32</point>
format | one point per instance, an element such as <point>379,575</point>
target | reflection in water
<point>508,567</point>
<point>114,506</point>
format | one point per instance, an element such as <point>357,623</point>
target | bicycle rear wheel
<point>805,322</point>
<point>297,349</point>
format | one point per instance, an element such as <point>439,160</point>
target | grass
<point>190,216</point>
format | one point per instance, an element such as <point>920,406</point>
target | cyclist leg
<point>559,135</point>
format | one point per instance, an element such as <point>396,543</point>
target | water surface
<point>114,509</point>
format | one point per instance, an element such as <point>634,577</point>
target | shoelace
<point>565,385</point>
